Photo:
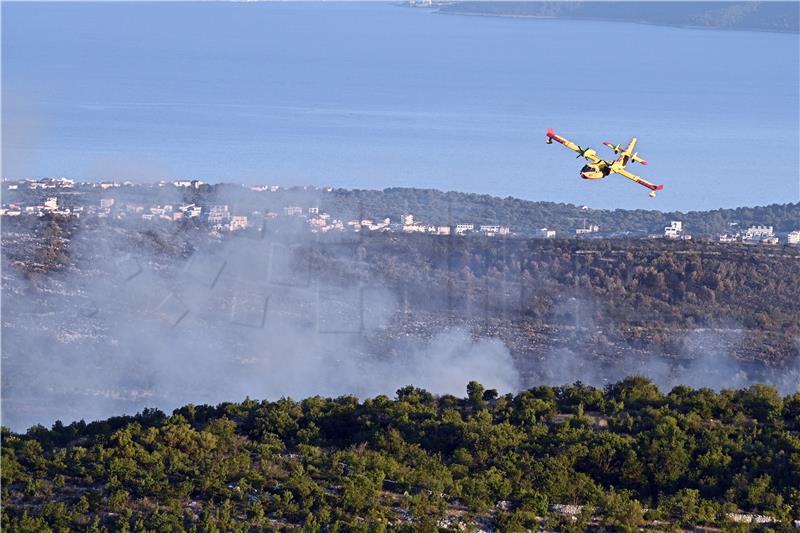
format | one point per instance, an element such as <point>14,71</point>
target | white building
<point>321,222</point>
<point>407,219</point>
<point>414,228</point>
<point>189,184</point>
<point>492,230</point>
<point>51,203</point>
<point>592,228</point>
<point>547,233</point>
<point>106,203</point>
<point>377,226</point>
<point>238,222</point>
<point>293,211</point>
<point>218,214</point>
<point>793,237</point>
<point>758,233</point>
<point>674,230</point>
<point>463,228</point>
<point>190,210</point>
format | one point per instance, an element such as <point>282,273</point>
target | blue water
<point>376,95</point>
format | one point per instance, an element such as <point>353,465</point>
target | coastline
<point>615,20</point>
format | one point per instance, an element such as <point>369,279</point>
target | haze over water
<point>376,95</point>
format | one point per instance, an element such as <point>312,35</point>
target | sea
<point>375,95</point>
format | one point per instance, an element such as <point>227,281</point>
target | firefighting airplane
<point>600,168</point>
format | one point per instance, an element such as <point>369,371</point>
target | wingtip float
<point>598,168</point>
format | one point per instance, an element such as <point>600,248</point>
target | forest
<point>636,290</point>
<point>569,458</point>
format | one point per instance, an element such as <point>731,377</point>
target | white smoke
<point>263,317</point>
<point>242,317</point>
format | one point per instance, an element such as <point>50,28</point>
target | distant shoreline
<point>574,11</point>
<point>617,21</point>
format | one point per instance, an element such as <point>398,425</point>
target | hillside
<point>526,217</point>
<point>431,206</point>
<point>757,16</point>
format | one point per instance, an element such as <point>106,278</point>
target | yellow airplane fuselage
<point>595,171</point>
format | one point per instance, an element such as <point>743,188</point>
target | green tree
<point>475,392</point>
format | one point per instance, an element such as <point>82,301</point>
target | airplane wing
<point>640,181</point>
<point>588,153</point>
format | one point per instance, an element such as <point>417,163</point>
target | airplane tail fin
<point>617,149</point>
